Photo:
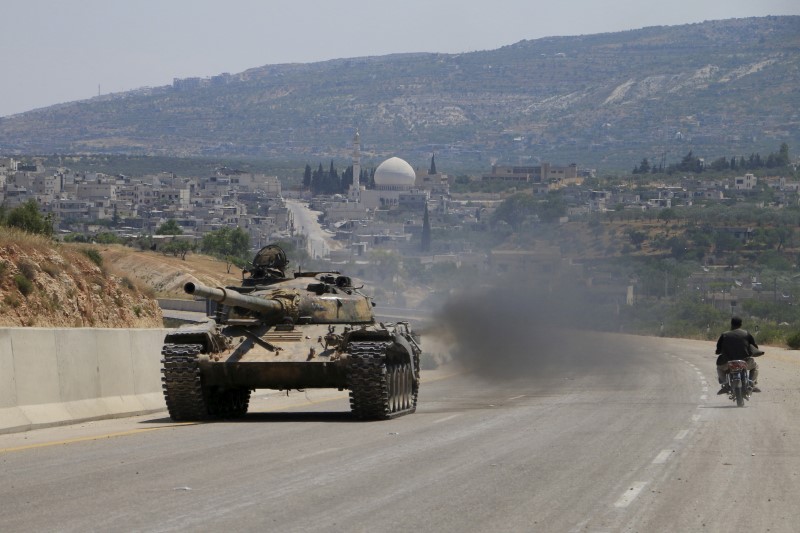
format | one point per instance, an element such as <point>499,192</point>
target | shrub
<point>50,269</point>
<point>28,270</point>
<point>128,284</point>
<point>23,284</point>
<point>793,341</point>
<point>3,266</point>
<point>94,255</point>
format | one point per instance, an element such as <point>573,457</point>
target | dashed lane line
<point>629,495</point>
<point>662,457</point>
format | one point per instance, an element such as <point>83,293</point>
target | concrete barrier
<point>58,376</point>
<point>173,304</point>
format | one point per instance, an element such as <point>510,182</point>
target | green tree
<point>726,242</point>
<point>27,217</point>
<point>783,155</point>
<point>425,245</point>
<point>637,237</point>
<point>514,210</point>
<point>231,245</point>
<point>689,163</point>
<point>178,248</point>
<point>307,177</point>
<point>170,227</point>
<point>667,215</point>
<point>720,164</point>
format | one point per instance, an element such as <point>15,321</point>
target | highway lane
<point>641,443</point>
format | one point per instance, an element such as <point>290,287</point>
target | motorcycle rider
<point>732,345</point>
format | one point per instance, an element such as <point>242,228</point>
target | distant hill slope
<point>46,284</point>
<point>720,88</point>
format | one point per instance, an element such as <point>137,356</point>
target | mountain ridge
<point>720,88</point>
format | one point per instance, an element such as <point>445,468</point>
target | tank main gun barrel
<point>229,297</point>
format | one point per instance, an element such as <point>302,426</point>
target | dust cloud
<point>521,332</point>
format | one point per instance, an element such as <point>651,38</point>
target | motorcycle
<point>739,385</point>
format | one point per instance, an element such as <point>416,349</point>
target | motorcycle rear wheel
<point>739,397</point>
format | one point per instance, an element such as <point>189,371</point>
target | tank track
<point>380,391</point>
<point>185,396</point>
<point>183,390</point>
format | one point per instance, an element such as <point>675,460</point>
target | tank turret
<point>313,330</point>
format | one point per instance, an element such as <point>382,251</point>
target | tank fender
<point>399,351</point>
<point>205,334</point>
<point>407,350</point>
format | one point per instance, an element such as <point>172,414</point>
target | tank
<point>311,330</point>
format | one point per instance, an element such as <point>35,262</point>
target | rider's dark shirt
<point>734,344</point>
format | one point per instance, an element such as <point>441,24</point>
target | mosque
<point>395,184</point>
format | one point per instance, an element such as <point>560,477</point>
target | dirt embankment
<point>45,284</point>
<point>166,274</point>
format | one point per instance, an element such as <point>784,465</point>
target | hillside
<point>165,274</point>
<point>720,88</point>
<point>43,284</point>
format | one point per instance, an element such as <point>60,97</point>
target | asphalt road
<point>320,242</point>
<point>631,438</point>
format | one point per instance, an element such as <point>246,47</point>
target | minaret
<point>355,188</point>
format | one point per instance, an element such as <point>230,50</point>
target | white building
<point>745,183</point>
<point>393,177</point>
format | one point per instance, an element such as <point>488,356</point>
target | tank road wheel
<point>402,387</point>
<point>183,390</point>
<point>379,391</point>
<point>396,389</point>
<point>228,403</point>
<point>408,380</point>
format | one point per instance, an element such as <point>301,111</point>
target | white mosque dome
<point>395,172</point>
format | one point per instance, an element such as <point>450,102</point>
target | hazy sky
<point>54,51</point>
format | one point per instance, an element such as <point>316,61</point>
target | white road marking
<point>662,457</point>
<point>445,419</point>
<point>695,418</point>
<point>704,397</point>
<point>682,434</point>
<point>516,397</point>
<point>630,494</point>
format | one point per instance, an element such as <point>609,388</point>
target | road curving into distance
<point>630,438</point>
<point>320,242</point>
